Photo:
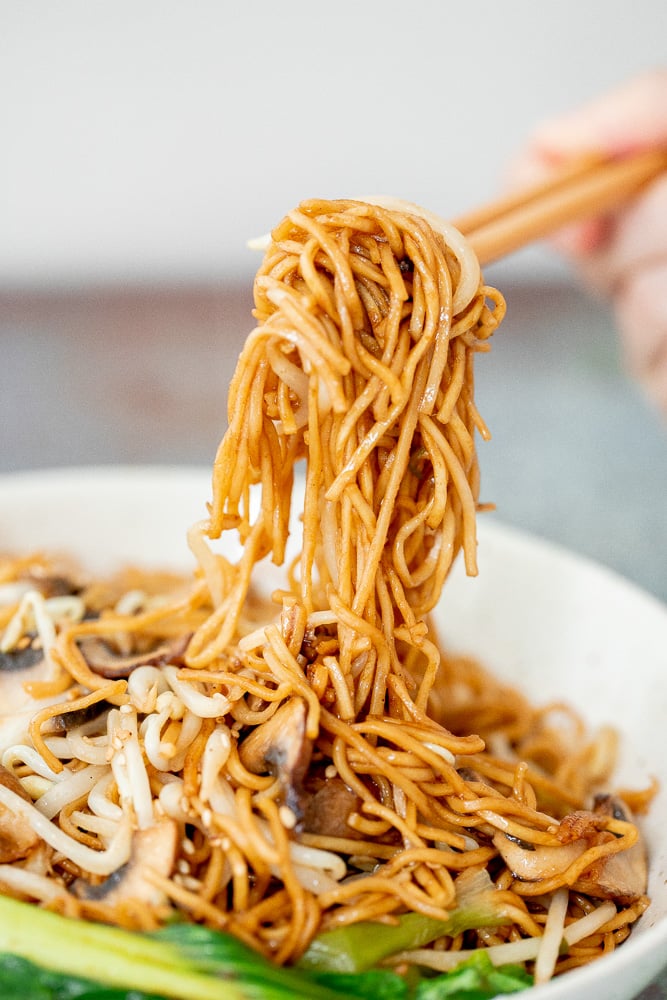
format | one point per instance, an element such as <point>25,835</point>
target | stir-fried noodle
<point>279,769</point>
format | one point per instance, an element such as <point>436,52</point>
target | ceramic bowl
<point>554,624</point>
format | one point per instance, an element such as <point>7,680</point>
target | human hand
<point>622,256</point>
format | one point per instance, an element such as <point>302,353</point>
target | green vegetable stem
<point>185,961</point>
<point>45,956</point>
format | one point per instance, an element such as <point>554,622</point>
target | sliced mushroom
<point>622,876</point>
<point>67,721</point>
<point>469,774</point>
<point>52,584</point>
<point>17,837</point>
<point>327,808</point>
<point>19,667</point>
<point>153,849</point>
<point>102,659</point>
<point>280,746</point>
<point>531,862</point>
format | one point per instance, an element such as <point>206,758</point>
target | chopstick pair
<point>585,188</point>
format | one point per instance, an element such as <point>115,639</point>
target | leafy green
<point>23,980</point>
<point>376,984</point>
<point>55,958</point>
<point>223,955</point>
<point>219,953</point>
<point>475,979</point>
<point>44,956</point>
<point>183,961</point>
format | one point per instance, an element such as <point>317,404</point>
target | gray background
<point>148,141</point>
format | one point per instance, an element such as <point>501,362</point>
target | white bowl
<point>552,623</point>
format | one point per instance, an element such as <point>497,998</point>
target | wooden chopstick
<point>588,187</point>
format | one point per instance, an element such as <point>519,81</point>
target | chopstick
<point>585,188</point>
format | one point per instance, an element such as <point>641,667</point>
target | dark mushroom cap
<point>280,746</point>
<point>21,658</point>
<point>102,659</point>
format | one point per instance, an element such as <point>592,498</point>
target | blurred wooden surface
<point>117,376</point>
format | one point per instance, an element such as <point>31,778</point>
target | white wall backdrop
<point>145,140</point>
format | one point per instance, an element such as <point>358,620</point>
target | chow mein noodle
<point>283,764</point>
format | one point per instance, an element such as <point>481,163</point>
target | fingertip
<point>582,239</point>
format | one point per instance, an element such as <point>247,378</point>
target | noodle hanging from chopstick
<point>360,364</point>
